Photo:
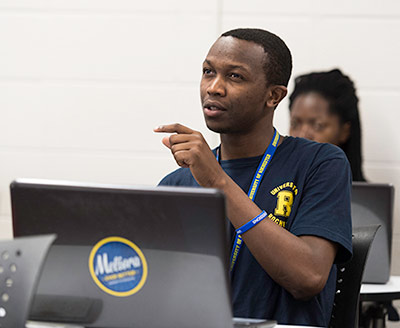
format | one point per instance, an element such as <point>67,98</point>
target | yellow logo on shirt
<point>284,203</point>
<point>285,194</point>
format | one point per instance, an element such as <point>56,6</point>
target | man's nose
<point>217,87</point>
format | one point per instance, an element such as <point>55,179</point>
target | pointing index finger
<point>171,128</point>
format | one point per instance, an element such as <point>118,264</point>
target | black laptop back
<point>128,257</point>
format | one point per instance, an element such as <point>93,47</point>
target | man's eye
<point>235,76</point>
<point>207,71</point>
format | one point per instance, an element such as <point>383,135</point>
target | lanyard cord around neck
<point>258,176</point>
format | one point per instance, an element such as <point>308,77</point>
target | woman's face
<point>310,118</point>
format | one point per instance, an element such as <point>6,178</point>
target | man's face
<point>233,87</point>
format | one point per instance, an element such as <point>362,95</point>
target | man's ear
<point>275,94</point>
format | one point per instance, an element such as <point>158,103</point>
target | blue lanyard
<point>255,184</point>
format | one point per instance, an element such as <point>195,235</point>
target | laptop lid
<point>372,203</point>
<point>128,256</point>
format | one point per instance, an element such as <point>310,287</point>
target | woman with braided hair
<point>324,108</point>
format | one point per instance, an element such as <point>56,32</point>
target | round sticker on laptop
<point>118,266</point>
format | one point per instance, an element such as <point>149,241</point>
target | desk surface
<point>381,292</point>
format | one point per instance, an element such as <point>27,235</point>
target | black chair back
<point>349,276</point>
<point>21,261</point>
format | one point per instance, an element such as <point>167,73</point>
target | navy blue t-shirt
<point>306,190</point>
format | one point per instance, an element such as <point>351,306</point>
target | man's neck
<point>235,146</point>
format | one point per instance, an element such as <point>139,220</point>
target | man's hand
<point>191,150</point>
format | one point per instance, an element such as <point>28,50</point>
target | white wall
<point>83,82</point>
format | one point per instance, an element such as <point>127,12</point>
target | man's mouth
<point>213,106</point>
<point>212,111</point>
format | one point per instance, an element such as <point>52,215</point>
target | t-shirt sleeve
<point>324,208</point>
<point>180,177</point>
<point>166,181</point>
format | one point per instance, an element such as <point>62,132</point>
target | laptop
<point>128,256</point>
<point>372,203</point>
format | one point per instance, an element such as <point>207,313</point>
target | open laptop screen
<point>127,256</point>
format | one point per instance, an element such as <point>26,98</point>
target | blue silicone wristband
<point>251,223</point>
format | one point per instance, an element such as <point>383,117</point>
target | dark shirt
<point>306,190</point>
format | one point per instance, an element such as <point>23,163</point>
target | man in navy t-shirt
<point>288,199</point>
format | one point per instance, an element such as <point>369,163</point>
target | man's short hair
<point>278,63</point>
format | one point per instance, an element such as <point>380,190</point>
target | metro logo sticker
<point>118,266</point>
